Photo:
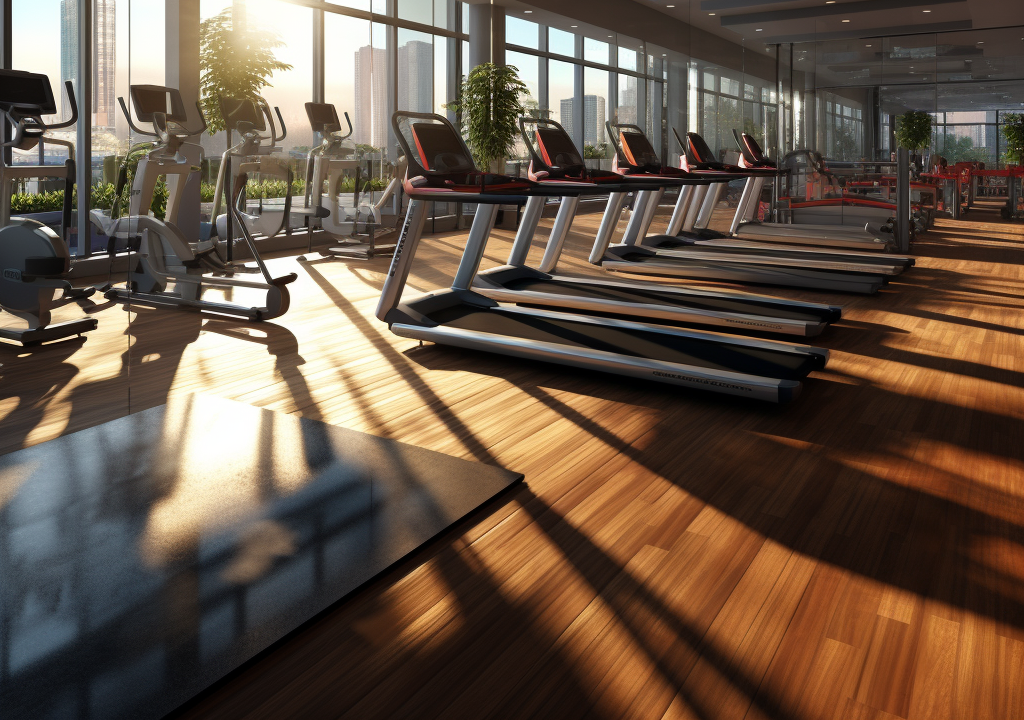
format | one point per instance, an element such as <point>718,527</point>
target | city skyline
<point>104,107</point>
<point>415,88</point>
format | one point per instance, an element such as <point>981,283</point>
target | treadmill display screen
<point>557,148</point>
<point>321,115</point>
<point>638,149</point>
<point>27,90</point>
<point>440,149</point>
<point>151,99</point>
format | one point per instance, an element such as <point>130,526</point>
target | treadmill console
<point>557,148</point>
<point>638,149</point>
<point>440,149</point>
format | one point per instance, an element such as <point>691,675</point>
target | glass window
<point>596,51</point>
<point>443,15</point>
<point>355,4</point>
<point>595,111</point>
<point>415,71</point>
<point>348,75</point>
<point>289,89</point>
<point>561,42</point>
<point>561,93</point>
<point>521,32</point>
<point>421,11</point>
<point>529,72</point>
<point>442,93</point>
<point>628,101</point>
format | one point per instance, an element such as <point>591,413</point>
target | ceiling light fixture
<point>527,12</point>
<point>867,46</point>
<point>711,14</point>
<point>670,6</point>
<point>830,2</point>
<point>846,21</point>
<point>758,30</point>
<point>926,11</point>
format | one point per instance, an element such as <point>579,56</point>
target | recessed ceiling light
<point>981,42</point>
<point>926,11</point>
<point>574,26</point>
<point>830,2</point>
<point>846,21</point>
<point>710,14</point>
<point>758,29</point>
<point>867,46</point>
<point>670,6</point>
<point>527,12</point>
<point>611,36</point>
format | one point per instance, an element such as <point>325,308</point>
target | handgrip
<point>131,125</point>
<point>284,130</point>
<point>69,90</point>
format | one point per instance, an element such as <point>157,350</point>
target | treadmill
<point>440,168</point>
<point>635,155</point>
<point>698,159</point>
<point>745,226</point>
<point>555,162</point>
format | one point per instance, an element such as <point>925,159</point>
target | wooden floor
<point>858,554</point>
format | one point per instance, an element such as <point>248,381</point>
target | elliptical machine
<point>34,260</point>
<point>358,227</point>
<point>165,255</point>
<point>253,155</point>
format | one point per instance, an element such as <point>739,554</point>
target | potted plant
<point>1013,131</point>
<point>914,131</point>
<point>490,105</point>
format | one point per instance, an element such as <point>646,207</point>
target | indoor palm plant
<point>914,132</point>
<point>490,105</point>
<point>1013,131</point>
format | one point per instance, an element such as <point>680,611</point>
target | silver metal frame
<point>728,382</point>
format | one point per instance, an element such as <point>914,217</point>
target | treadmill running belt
<point>767,271</point>
<point>634,343</point>
<point>559,287</point>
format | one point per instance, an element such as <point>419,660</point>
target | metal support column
<point>902,200</point>
<point>83,146</point>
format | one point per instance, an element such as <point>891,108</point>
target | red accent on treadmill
<point>638,149</point>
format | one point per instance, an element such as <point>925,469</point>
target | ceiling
<point>765,21</point>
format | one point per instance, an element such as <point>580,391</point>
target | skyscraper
<point>104,109</point>
<point>416,76</point>
<point>593,118</point>
<point>371,97</point>
<point>627,100</point>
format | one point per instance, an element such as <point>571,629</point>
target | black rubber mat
<point>143,559</point>
<point>654,345</point>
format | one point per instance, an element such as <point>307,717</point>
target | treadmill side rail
<point>721,381</point>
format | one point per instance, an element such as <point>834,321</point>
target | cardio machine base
<point>29,337</point>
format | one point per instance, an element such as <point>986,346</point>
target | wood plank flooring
<point>858,554</point>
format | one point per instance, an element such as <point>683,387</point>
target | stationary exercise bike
<point>34,260</point>
<point>164,254</point>
<point>253,155</point>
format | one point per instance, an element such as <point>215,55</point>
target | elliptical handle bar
<point>69,90</point>
<point>131,125</point>
<point>284,130</point>
<point>337,134</point>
